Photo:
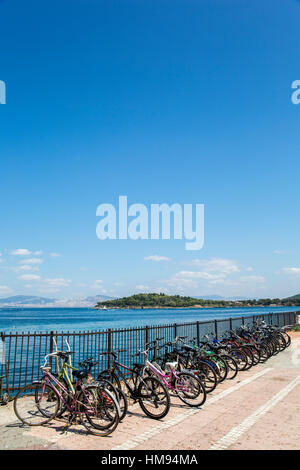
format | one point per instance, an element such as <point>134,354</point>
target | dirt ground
<point>259,409</point>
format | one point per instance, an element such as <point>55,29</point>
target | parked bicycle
<point>151,394</point>
<point>40,402</point>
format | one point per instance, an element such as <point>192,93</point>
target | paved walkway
<point>259,409</point>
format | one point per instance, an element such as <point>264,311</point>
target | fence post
<point>51,347</point>
<point>147,334</point>
<point>109,346</point>
<point>175,330</point>
<point>216,328</point>
<point>230,323</point>
<point>5,364</point>
<point>198,333</point>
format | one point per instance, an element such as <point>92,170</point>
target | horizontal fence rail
<point>22,355</point>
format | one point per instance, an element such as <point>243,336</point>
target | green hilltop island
<point>161,300</point>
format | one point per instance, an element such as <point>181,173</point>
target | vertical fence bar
<point>51,348</point>
<point>5,363</point>
<point>109,346</point>
<point>216,328</point>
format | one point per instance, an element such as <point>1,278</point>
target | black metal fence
<point>22,355</point>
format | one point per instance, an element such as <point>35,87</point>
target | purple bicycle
<point>186,385</point>
<point>40,402</point>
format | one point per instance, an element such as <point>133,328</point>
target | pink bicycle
<point>186,385</point>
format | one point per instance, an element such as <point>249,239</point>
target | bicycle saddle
<point>64,353</point>
<point>138,365</point>
<point>81,373</point>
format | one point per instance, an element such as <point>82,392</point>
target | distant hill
<point>219,297</point>
<point>293,297</point>
<point>154,300</point>
<point>25,300</point>
<point>34,301</point>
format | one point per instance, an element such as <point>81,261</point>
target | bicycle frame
<point>117,366</point>
<point>48,378</point>
<point>64,374</point>
<point>166,379</point>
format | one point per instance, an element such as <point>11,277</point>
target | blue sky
<point>184,101</point>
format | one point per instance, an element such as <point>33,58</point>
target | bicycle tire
<point>152,385</point>
<point>231,365</point>
<point>23,404</point>
<point>88,419</point>
<point>185,395</point>
<point>207,375</point>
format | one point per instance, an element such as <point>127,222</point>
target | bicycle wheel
<point>207,376</point>
<point>250,357</point>
<point>240,358</point>
<point>287,338</point>
<point>189,389</point>
<point>123,403</point>
<point>154,398</point>
<point>99,410</point>
<point>276,346</point>
<point>282,342</point>
<point>264,354</point>
<point>118,394</point>
<point>36,404</point>
<point>256,354</point>
<point>220,367</point>
<point>231,366</point>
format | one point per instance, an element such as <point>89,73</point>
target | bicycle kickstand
<point>71,420</point>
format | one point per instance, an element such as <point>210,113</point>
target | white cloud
<point>57,282</point>
<point>279,252</point>
<point>156,258</point>
<point>33,261</point>
<point>217,265</point>
<point>20,252</point>
<point>98,285</point>
<point>54,255</point>
<point>256,279</point>
<point>181,283</point>
<point>4,290</point>
<point>142,287</point>
<point>29,277</point>
<point>292,271</point>
<point>223,282</point>
<point>38,253</point>
<point>18,269</point>
<point>196,275</point>
<point>249,269</point>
